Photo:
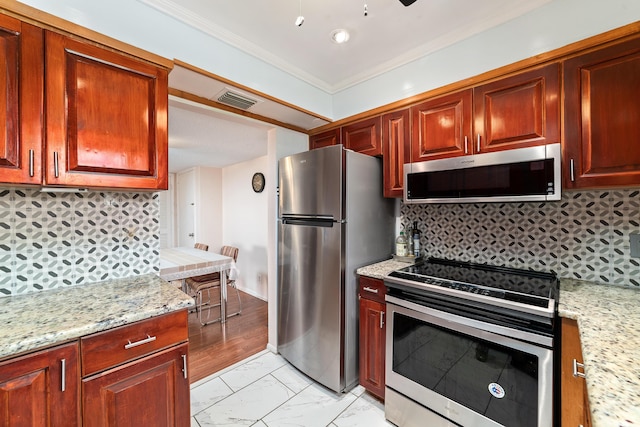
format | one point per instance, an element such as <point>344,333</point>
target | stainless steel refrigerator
<point>333,219</point>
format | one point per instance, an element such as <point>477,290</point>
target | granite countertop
<point>46,318</point>
<point>380,269</point>
<point>609,323</point>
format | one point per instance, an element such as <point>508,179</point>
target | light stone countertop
<point>42,319</point>
<point>380,269</point>
<point>609,322</point>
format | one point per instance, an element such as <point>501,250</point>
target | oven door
<point>452,366</point>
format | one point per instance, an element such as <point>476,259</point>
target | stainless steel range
<point>469,345</point>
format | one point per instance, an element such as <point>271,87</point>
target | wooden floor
<point>218,345</point>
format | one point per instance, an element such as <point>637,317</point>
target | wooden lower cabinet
<point>134,375</point>
<point>574,401</point>
<point>41,389</point>
<point>153,391</point>
<point>372,335</point>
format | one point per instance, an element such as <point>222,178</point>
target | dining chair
<point>199,285</point>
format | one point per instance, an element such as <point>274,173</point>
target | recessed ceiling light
<point>340,36</point>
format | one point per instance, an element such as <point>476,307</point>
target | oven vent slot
<point>236,100</point>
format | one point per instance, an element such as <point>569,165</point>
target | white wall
<point>166,200</point>
<point>553,25</point>
<point>556,24</point>
<point>245,222</point>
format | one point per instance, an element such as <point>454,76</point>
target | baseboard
<point>252,293</point>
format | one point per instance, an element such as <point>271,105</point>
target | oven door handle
<point>454,319</point>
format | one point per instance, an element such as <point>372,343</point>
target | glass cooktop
<point>522,286</point>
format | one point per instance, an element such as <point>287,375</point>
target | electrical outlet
<point>634,243</point>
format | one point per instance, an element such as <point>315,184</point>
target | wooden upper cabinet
<point>106,117</point>
<point>324,139</point>
<point>21,100</point>
<point>441,127</point>
<point>364,136</point>
<point>396,150</point>
<point>602,107</point>
<point>518,111</point>
<point>514,112</point>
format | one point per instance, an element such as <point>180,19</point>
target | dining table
<point>180,263</point>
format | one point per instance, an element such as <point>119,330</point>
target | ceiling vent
<point>236,100</point>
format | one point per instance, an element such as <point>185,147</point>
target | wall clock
<point>257,182</point>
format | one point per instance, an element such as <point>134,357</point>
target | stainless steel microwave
<point>522,174</point>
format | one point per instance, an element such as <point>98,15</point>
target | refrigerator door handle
<point>316,222</point>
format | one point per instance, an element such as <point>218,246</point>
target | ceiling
<point>389,36</point>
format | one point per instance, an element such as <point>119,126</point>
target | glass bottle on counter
<point>415,238</point>
<point>401,245</point>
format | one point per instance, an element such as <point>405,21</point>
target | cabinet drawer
<point>372,289</point>
<point>119,345</point>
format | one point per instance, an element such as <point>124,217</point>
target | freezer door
<point>310,299</point>
<point>311,183</point>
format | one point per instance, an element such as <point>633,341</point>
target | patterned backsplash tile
<point>583,236</point>
<point>52,240</point>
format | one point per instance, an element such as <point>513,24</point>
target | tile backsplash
<point>583,236</point>
<point>53,240</point>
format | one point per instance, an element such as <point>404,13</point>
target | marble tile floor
<point>266,391</point>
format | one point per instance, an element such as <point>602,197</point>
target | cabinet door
<point>372,346</point>
<point>106,118</point>
<point>364,136</point>
<point>21,102</point>
<point>518,111</point>
<point>574,400</point>
<point>602,106</point>
<point>324,139</point>
<point>442,127</point>
<point>152,391</point>
<point>41,389</point>
<point>396,151</point>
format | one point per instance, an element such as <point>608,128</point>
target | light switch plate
<point>634,243</point>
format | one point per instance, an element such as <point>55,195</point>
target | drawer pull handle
<point>372,290</point>
<point>577,365</point>
<point>130,344</point>
<point>184,365</point>
<point>63,366</point>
